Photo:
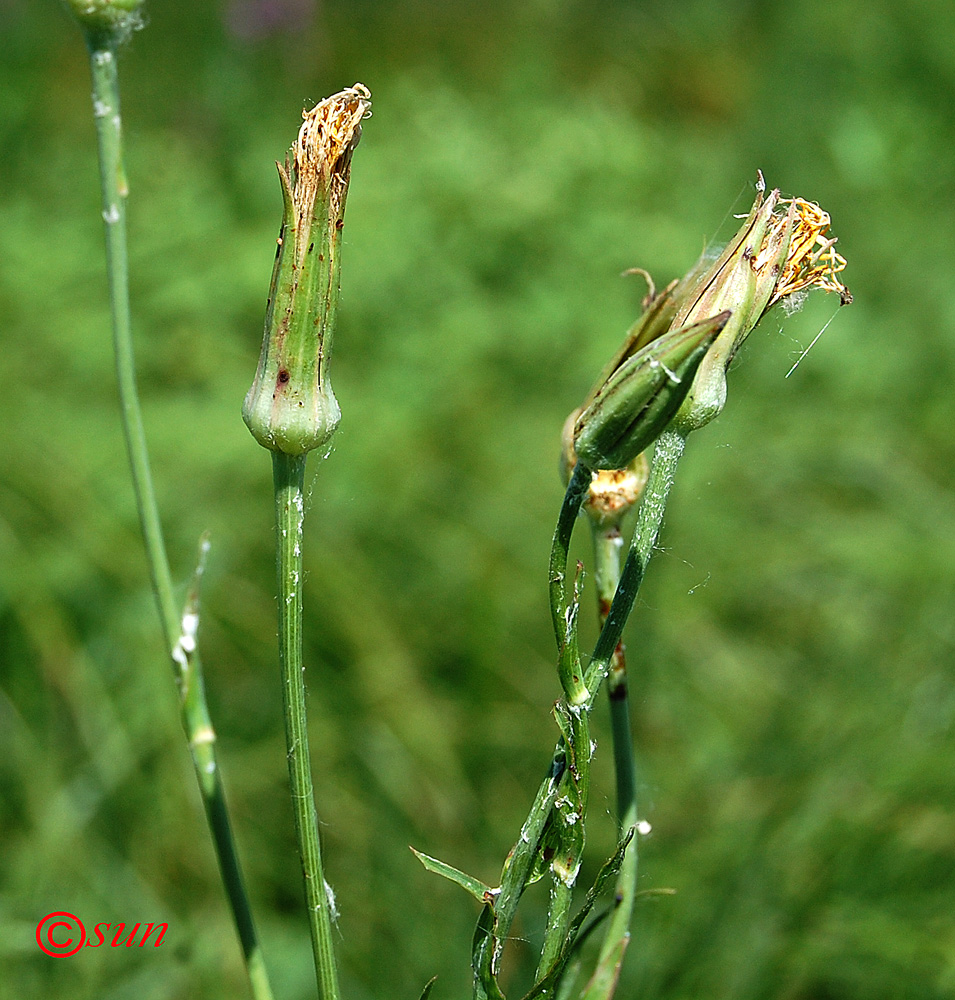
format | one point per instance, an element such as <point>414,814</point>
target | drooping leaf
<point>481,892</point>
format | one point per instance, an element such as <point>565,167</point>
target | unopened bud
<point>291,407</point>
<point>639,398</point>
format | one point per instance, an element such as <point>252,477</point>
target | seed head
<point>291,407</point>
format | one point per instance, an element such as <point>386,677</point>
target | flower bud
<point>291,407</point>
<point>775,254</point>
<point>634,404</point>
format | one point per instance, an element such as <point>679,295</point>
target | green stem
<point>519,862</point>
<point>555,932</point>
<point>666,456</point>
<point>573,498</point>
<point>289,477</point>
<point>178,630</point>
<point>569,815</point>
<point>609,655</point>
<point>114,191</point>
<point>517,869</point>
<point>607,542</point>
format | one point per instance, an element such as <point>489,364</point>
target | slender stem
<point>573,498</point>
<point>555,932</point>
<point>609,655</point>
<point>202,738</point>
<point>289,477</point>
<point>518,865</point>
<point>569,815</point>
<point>517,869</point>
<point>607,543</point>
<point>114,191</point>
<point>178,630</point>
<point>666,456</point>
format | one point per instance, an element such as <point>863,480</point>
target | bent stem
<point>570,508</point>
<point>607,545</point>
<point>178,630</point>
<point>289,479</point>
<point>669,449</point>
<point>666,456</point>
<point>609,658</point>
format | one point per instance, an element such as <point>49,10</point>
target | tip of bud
<point>331,127</point>
<point>812,261</point>
<point>321,154</point>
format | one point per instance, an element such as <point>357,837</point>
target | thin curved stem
<point>573,498</point>
<point>178,629</point>
<point>609,656</point>
<point>607,545</point>
<point>666,456</point>
<point>289,477</point>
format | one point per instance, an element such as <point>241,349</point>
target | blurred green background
<point>792,650</point>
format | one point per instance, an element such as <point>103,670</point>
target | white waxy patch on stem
<point>190,629</point>
<point>330,900</point>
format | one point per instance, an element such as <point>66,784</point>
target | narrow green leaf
<point>546,986</point>
<point>603,983</point>
<point>481,892</point>
<point>428,986</point>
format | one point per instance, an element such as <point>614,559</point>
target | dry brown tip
<point>330,129</point>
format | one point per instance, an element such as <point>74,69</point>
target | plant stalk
<point>666,456</point>
<point>607,545</point>
<point>669,449</point>
<point>573,499</point>
<point>289,479</point>
<point>178,630</point>
<point>624,587</point>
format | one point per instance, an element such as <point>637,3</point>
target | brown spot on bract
<point>283,376</point>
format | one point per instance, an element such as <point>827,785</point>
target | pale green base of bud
<point>705,400</point>
<point>287,425</point>
<point>107,19</point>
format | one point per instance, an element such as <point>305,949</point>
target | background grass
<point>792,654</point>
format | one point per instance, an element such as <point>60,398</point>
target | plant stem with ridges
<point>289,478</point>
<point>608,657</point>
<point>178,634</point>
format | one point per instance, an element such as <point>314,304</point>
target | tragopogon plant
<point>667,379</point>
<point>292,410</point>
<point>106,24</point>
